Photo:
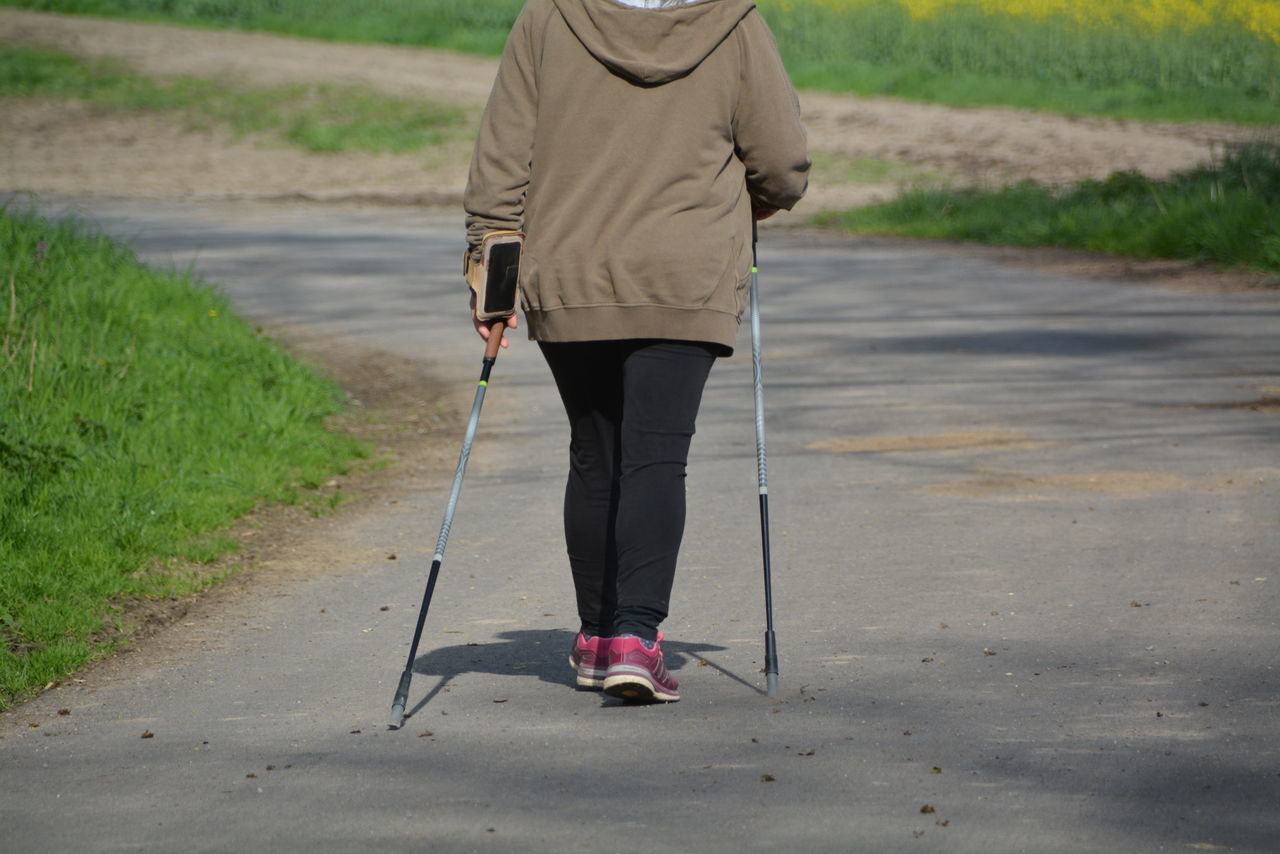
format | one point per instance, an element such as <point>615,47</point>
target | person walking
<point>633,142</point>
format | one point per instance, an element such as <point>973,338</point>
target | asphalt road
<point>1025,563</point>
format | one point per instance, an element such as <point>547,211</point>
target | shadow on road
<point>543,654</point>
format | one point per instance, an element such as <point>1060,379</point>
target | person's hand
<point>484,327</point>
<point>762,214</point>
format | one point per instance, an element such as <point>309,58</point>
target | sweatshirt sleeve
<point>499,175</point>
<point>768,134</point>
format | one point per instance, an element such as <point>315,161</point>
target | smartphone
<point>501,259</point>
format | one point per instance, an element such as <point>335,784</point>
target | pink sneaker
<point>591,659</point>
<point>637,673</point>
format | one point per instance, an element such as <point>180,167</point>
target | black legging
<point>631,406</point>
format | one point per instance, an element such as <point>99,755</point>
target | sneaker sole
<point>588,678</point>
<point>637,688</point>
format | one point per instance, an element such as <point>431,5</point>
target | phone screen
<point>502,275</point>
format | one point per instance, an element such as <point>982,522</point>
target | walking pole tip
<point>401,699</point>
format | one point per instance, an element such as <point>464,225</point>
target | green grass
<point>140,417</point>
<point>318,118</point>
<point>476,26</point>
<point>965,56</point>
<point>1225,213</point>
<point>961,56</point>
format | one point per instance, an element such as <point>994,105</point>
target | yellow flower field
<point>1261,17</point>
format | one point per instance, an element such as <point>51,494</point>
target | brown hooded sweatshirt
<point>628,144</point>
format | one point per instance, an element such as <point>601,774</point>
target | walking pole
<point>490,356</point>
<point>762,471</point>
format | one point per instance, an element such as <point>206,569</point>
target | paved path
<point>1025,558</point>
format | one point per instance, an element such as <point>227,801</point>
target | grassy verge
<point>1086,59</point>
<point>1226,212</point>
<point>476,26</point>
<point>140,416</point>
<point>970,53</point>
<point>318,118</point>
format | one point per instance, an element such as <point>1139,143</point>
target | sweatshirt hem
<point>614,323</point>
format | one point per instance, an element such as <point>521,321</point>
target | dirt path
<point>60,147</point>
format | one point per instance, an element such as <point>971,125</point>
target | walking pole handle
<point>494,343</point>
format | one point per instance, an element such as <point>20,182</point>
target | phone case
<point>496,279</point>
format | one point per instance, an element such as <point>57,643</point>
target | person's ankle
<point>648,643</point>
<point>642,632</point>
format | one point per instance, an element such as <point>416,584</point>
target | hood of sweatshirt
<point>652,46</point>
